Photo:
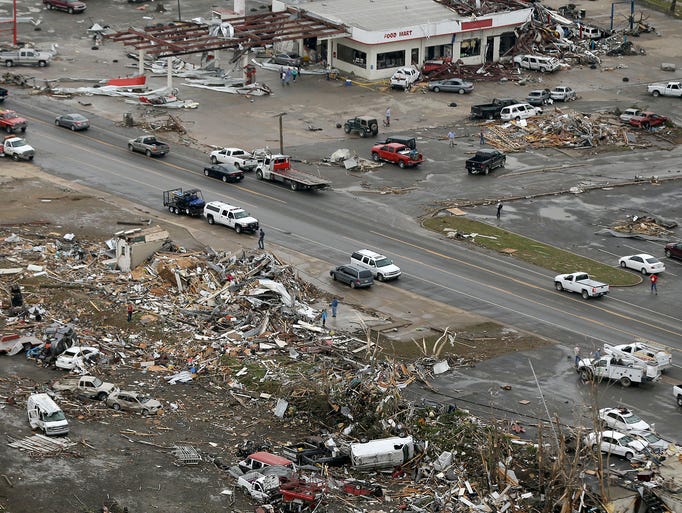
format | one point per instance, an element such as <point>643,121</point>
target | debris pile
<point>646,225</point>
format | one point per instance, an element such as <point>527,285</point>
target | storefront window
<point>391,59</point>
<point>507,42</point>
<point>438,52</point>
<point>351,55</point>
<point>470,48</point>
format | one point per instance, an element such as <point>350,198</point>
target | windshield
<point>384,262</point>
<point>18,143</point>
<point>649,437</point>
<point>632,419</point>
<point>56,416</point>
<point>241,215</point>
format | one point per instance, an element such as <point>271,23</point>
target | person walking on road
<point>261,239</point>
<point>576,350</point>
<point>482,138</point>
<point>499,209</point>
<point>334,304</point>
<point>387,122</point>
<point>324,318</point>
<point>654,279</point>
<point>451,138</point>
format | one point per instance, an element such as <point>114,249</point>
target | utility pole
<point>179,12</point>
<point>281,131</point>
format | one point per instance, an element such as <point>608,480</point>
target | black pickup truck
<point>485,161</point>
<point>491,110</point>
<point>3,94</point>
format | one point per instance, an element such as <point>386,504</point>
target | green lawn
<point>532,251</point>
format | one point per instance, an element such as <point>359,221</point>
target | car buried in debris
<point>648,120</point>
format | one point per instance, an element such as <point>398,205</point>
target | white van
<point>44,413</point>
<point>382,453</point>
<point>519,111</point>
<point>382,268</point>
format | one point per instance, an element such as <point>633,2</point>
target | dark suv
<point>354,276</point>
<point>364,125</point>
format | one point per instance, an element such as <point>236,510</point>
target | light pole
<point>179,12</point>
<point>281,131</point>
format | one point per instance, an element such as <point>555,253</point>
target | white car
<point>628,114</point>
<point>132,401</point>
<point>614,442</point>
<point>562,94</point>
<point>645,264</point>
<point>654,441</point>
<point>403,78</point>
<point>242,159</point>
<point>77,356</point>
<point>623,420</point>
<point>519,111</point>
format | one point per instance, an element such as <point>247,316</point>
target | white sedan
<point>645,264</point>
<point>77,356</point>
<point>614,442</point>
<point>623,420</point>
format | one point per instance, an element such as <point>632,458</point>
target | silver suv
<point>383,268</point>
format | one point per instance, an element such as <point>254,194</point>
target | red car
<point>674,250</point>
<point>647,120</point>
<point>397,154</point>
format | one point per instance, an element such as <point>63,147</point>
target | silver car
<point>562,94</point>
<point>73,121</point>
<point>451,85</point>
<point>132,401</point>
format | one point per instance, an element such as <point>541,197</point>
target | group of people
<point>289,75</point>
<point>334,306</point>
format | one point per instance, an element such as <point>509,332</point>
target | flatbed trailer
<point>277,168</point>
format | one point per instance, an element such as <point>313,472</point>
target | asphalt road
<point>331,224</point>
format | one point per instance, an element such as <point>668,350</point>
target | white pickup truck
<point>669,89</point>
<point>16,148</point>
<point>403,78</point>
<point>645,353</point>
<point>677,392</point>
<point>25,57</point>
<point>217,212</point>
<point>581,283</point>
<point>618,369</point>
<point>89,386</point>
<point>242,159</point>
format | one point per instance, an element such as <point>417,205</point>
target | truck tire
<point>363,133</point>
<point>374,128</point>
<point>293,186</point>
<point>436,89</point>
<point>23,129</point>
<point>8,129</point>
<point>148,153</point>
<point>656,94</point>
<point>170,209</point>
<point>586,375</point>
<point>668,253</point>
<point>130,147</point>
<point>645,125</point>
<point>375,157</point>
<point>558,286</point>
<point>380,277</point>
<point>491,116</point>
<point>42,64</point>
<point>679,400</point>
<point>346,128</point>
<point>210,219</point>
<point>145,411</point>
<point>101,396</point>
<point>70,11</point>
<point>625,381</point>
<point>49,7</point>
<point>486,170</point>
<point>585,294</point>
<point>238,228</point>
<point>352,284</point>
<point>401,164</point>
<point>15,157</point>
<point>9,63</point>
<point>461,91</point>
<point>259,174</point>
<point>214,160</point>
<point>116,406</point>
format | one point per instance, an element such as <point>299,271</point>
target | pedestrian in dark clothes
<point>334,305</point>
<point>261,239</point>
<point>324,318</point>
<point>654,279</point>
<point>482,138</point>
<point>499,209</point>
<point>130,309</point>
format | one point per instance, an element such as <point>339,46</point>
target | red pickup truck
<point>10,122</point>
<point>648,119</point>
<point>397,154</point>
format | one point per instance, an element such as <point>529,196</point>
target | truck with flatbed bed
<point>615,368</point>
<point>580,283</point>
<point>670,89</point>
<point>277,168</point>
